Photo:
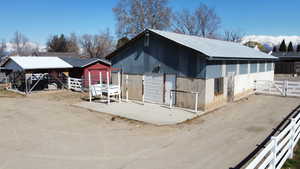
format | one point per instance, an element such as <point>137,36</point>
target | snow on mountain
<point>270,41</point>
<point>29,45</point>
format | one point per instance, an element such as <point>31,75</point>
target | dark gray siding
<point>161,56</point>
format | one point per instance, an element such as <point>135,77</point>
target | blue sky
<point>38,19</point>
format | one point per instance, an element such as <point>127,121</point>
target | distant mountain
<point>29,45</point>
<point>270,41</point>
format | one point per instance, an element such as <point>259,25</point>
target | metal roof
<point>214,48</point>
<point>47,62</point>
<point>82,62</point>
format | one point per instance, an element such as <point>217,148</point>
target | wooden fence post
<point>119,84</point>
<point>126,88</point>
<point>143,88</point>
<point>171,98</point>
<point>69,83</point>
<point>293,130</point>
<point>196,103</point>
<point>90,87</point>
<point>107,81</point>
<point>274,142</point>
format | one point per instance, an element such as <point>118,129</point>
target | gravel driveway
<point>44,132</point>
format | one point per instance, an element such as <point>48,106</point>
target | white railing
<point>279,148</point>
<point>283,88</point>
<point>74,84</point>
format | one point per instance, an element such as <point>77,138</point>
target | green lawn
<point>294,163</point>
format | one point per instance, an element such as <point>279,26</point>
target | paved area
<point>45,131</point>
<point>144,112</point>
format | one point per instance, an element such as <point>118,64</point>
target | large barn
<point>159,63</point>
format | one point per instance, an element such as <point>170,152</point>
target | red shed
<point>82,67</point>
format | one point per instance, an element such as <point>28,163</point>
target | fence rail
<point>75,84</point>
<point>279,148</point>
<point>282,88</point>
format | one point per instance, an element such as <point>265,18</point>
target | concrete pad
<point>147,112</point>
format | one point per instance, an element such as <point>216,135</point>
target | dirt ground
<point>45,131</point>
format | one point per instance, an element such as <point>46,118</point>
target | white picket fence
<point>279,148</point>
<point>283,88</point>
<point>75,84</point>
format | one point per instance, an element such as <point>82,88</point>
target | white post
<point>119,84</point>
<point>196,103</point>
<point>90,87</point>
<point>107,81</point>
<point>286,87</point>
<point>171,99</point>
<point>126,88</point>
<point>293,130</point>
<point>274,153</point>
<point>69,83</point>
<point>143,83</point>
<point>100,78</point>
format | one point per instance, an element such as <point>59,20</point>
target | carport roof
<point>47,62</point>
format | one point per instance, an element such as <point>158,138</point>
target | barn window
<point>219,86</point>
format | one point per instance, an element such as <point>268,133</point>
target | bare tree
<point>203,22</point>
<point>134,16</point>
<point>2,48</point>
<point>97,45</point>
<point>72,43</point>
<point>20,44</point>
<point>233,35</point>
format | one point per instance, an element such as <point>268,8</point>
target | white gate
<point>154,88</point>
<point>283,88</point>
<point>75,84</point>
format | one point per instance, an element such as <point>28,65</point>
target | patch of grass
<point>6,93</point>
<point>295,162</point>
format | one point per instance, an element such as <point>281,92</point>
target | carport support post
<point>90,87</point>
<point>26,85</point>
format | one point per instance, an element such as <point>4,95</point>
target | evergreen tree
<point>282,47</point>
<point>290,47</point>
<point>274,49</point>
<point>298,48</point>
<point>57,44</point>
